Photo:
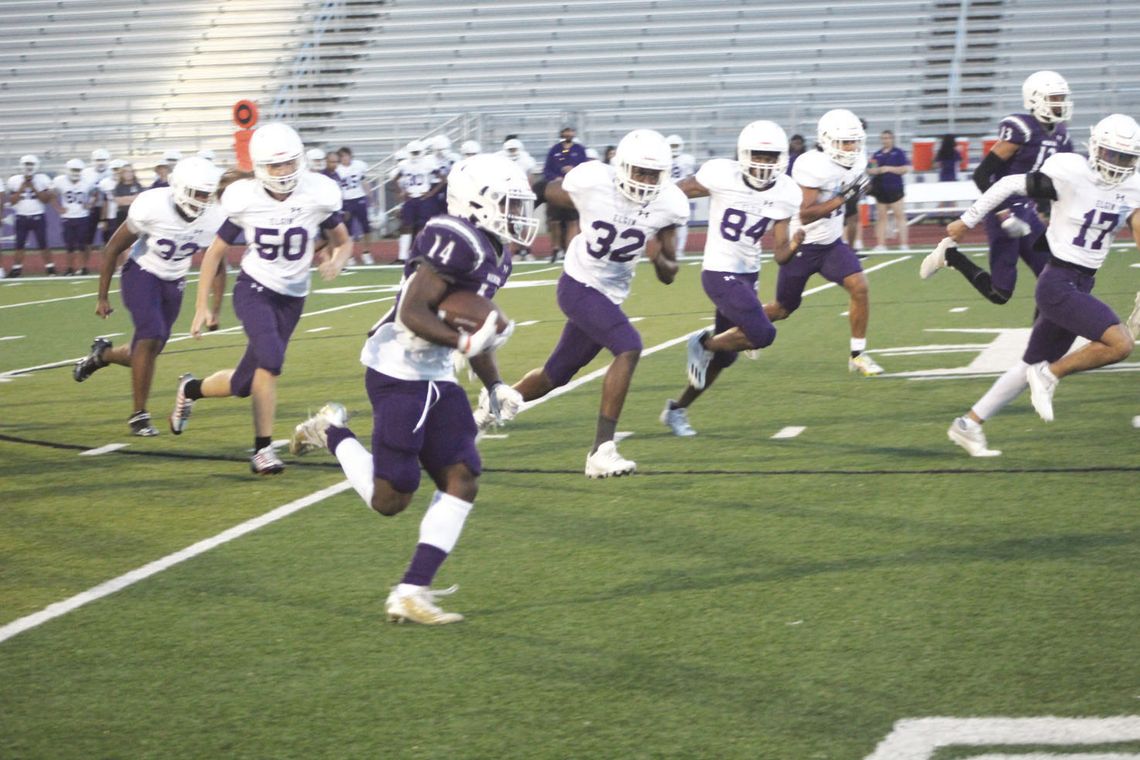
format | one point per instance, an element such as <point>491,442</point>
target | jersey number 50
<point>604,240</point>
<point>290,244</point>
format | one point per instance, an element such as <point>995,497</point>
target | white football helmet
<point>440,144</point>
<point>676,144</point>
<point>172,157</point>
<point>194,183</point>
<point>116,164</point>
<point>470,148</point>
<point>401,155</point>
<point>765,137</point>
<point>74,168</point>
<point>1045,94</point>
<point>493,193</point>
<point>316,159</point>
<point>838,128</point>
<point>416,148</point>
<point>646,153</point>
<point>513,148</point>
<point>592,154</point>
<point>272,144</point>
<point>1114,148</point>
<point>29,164</point>
<point>100,157</point>
<point>207,154</point>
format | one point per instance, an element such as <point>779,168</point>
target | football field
<point>818,564</point>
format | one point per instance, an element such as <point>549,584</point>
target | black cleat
<point>140,425</point>
<point>86,367</point>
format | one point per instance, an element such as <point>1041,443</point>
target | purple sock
<point>424,565</point>
<point>336,435</point>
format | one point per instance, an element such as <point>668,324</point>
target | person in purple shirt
<point>795,150</point>
<point>1014,229</point>
<point>948,158</point>
<point>886,169</point>
<point>561,158</point>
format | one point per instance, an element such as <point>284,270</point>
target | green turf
<point>739,597</point>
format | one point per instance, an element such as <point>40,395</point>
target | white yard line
<point>791,431</point>
<point>52,300</point>
<point>103,449</point>
<point>95,593</point>
<point>170,560</point>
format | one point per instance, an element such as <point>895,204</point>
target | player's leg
<point>898,210</point>
<point>39,232</point>
<point>841,266</point>
<point>997,284</point>
<point>407,222</point>
<point>791,279</point>
<point>18,252</point>
<point>366,226</point>
<point>880,226</point>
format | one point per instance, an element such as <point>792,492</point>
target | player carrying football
<point>1091,200</point>
<point>421,416</point>
<point>749,196</point>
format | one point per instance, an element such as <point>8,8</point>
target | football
<point>466,310</point>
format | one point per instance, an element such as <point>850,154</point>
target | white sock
<point>405,246</point>
<point>1005,389</point>
<point>443,521</point>
<point>859,345</point>
<point>682,237</point>
<point>357,465</point>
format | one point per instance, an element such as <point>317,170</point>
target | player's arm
<point>812,209</point>
<point>998,157</point>
<point>423,292</point>
<point>217,293</point>
<point>1034,185</point>
<point>1134,225</point>
<point>691,188</point>
<point>664,254</point>
<point>341,242</point>
<point>45,195</point>
<point>119,242</point>
<point>553,193</point>
<point>785,245</point>
<point>204,315</point>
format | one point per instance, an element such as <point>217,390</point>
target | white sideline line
<point>53,300</point>
<point>13,337</point>
<point>95,593</point>
<point>791,431</point>
<point>103,449</point>
<point>134,576</point>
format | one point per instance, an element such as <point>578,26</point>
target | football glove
<point>473,344</point>
<point>856,187</point>
<point>502,401</point>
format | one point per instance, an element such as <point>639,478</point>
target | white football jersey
<point>815,169</point>
<point>418,175</point>
<point>93,178</point>
<point>351,179</point>
<point>281,234</point>
<point>614,229</point>
<point>683,166</point>
<point>1086,214</point>
<point>72,196</point>
<point>166,242</point>
<point>524,160</point>
<point>28,204</point>
<point>106,186</point>
<point>739,215</point>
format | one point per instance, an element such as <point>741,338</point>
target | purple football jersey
<point>1035,144</point>
<point>462,254</point>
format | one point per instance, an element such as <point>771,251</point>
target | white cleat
<point>180,417</point>
<point>1042,383</point>
<point>864,365</point>
<point>266,462</point>
<point>970,436</point>
<point>312,434</point>
<point>1133,321</point>
<point>936,259</point>
<point>606,462</point>
<point>699,358</point>
<point>418,606</point>
<point>677,420</point>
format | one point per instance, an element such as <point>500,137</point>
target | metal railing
<point>306,66</point>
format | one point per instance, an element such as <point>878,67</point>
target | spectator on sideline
<point>795,150</point>
<point>99,170</point>
<point>72,201</point>
<point>107,195</point>
<point>163,168</point>
<point>948,158</point>
<point>125,192</point>
<point>355,189</point>
<point>886,168</point>
<point>28,191</point>
<point>562,222</point>
<point>611,151</point>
